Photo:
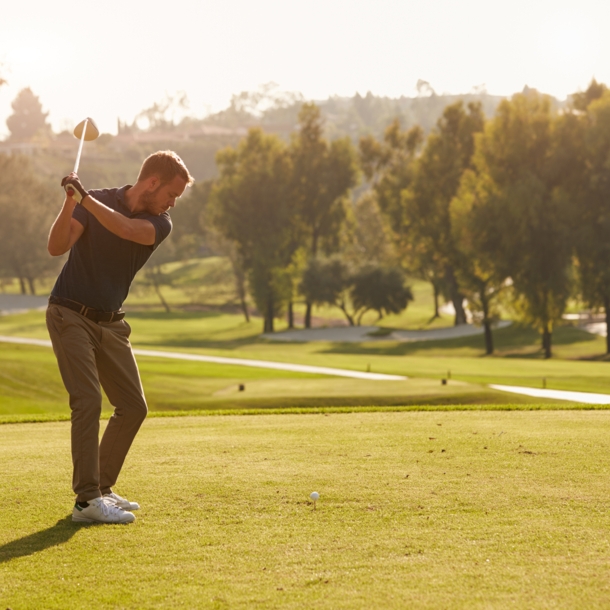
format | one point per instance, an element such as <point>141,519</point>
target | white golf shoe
<point>101,510</point>
<point>122,502</point>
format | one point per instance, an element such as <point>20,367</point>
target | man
<point>110,234</point>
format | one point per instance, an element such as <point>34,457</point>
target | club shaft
<point>80,146</point>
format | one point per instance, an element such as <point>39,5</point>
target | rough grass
<point>426,510</point>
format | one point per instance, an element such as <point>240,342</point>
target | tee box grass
<point>417,510</point>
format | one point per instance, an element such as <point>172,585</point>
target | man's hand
<point>74,188</point>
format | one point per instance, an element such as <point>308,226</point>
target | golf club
<point>85,130</point>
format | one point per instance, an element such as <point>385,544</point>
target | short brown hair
<point>165,164</point>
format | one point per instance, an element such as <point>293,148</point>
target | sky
<point>111,59</point>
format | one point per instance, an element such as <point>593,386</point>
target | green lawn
<point>422,510</point>
<point>30,383</point>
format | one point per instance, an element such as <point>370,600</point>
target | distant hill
<point>116,159</point>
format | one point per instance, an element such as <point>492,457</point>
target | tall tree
<point>476,232</point>
<point>27,208</point>
<point>390,165</point>
<point>518,187</point>
<point>446,155</point>
<point>195,235</point>
<point>28,119</point>
<point>591,216</point>
<point>324,172</point>
<point>252,206</point>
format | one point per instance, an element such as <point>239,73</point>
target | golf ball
<point>314,495</point>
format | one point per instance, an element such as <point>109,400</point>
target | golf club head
<point>91,131</point>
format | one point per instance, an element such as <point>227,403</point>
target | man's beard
<point>148,201</point>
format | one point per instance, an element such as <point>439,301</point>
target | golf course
<point>432,494</point>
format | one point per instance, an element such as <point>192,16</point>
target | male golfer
<point>110,234</point>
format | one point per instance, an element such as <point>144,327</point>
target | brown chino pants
<point>90,354</point>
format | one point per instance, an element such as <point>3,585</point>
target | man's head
<point>162,179</point>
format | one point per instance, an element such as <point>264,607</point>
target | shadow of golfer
<point>57,534</point>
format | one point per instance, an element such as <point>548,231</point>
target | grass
<point>30,383</point>
<point>426,510</point>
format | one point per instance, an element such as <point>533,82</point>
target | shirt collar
<point>120,195</point>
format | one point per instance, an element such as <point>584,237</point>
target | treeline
<point>509,209</point>
<point>516,205</point>
<point>28,206</point>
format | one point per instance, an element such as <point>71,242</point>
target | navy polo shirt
<point>101,265</point>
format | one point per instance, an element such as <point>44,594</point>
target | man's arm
<point>133,229</point>
<point>65,230</point>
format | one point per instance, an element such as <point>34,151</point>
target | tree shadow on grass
<point>516,340</point>
<point>55,535</point>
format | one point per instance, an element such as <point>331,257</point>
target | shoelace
<point>110,508</point>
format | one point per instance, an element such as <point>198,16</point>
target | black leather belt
<point>88,312</point>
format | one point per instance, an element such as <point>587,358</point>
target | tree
<point>195,235</point>
<point>28,119</point>
<point>323,174</point>
<point>252,206</point>
<point>27,208</point>
<point>154,276</point>
<point>390,166</point>
<point>591,193</point>
<point>517,187</point>
<point>327,282</point>
<point>371,287</point>
<point>380,289</point>
<point>476,234</point>
<point>164,115</point>
<point>446,155</point>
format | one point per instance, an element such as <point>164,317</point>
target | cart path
<point>262,364</point>
<point>580,397</point>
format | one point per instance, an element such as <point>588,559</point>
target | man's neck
<point>132,197</point>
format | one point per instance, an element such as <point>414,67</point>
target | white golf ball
<point>314,495</point>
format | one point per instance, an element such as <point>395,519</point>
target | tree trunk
<point>436,296</point>
<point>489,341</point>
<point>607,308</point>
<point>456,298</point>
<point>157,287</point>
<point>290,315</point>
<point>268,328</point>
<point>163,301</point>
<point>244,308</point>
<point>22,283</point>
<point>240,285</point>
<point>31,285</point>
<point>546,342</point>
<point>344,310</point>
<point>308,315</point>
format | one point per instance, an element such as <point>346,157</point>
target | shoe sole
<point>79,519</point>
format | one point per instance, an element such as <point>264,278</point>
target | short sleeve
<point>81,215</point>
<point>163,227</point>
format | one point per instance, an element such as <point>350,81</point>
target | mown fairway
<point>30,382</point>
<point>427,510</point>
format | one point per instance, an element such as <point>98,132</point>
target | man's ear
<point>153,183</point>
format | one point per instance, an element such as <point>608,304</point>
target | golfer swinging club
<point>110,234</point>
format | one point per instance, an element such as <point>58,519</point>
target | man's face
<point>161,197</point>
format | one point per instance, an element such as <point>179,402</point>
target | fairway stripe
<point>585,397</point>
<point>262,364</point>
